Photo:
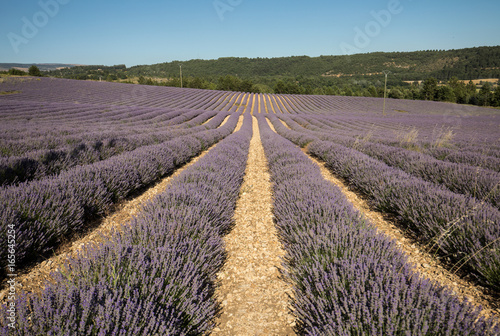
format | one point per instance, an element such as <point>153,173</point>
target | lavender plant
<point>157,275</point>
<point>50,209</point>
<point>348,279</point>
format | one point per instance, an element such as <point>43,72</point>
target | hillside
<point>466,64</point>
<point>472,63</point>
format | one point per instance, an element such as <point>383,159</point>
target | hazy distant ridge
<point>41,66</point>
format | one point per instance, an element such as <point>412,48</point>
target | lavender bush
<point>50,209</point>
<point>349,280</point>
<point>157,275</point>
<point>464,229</point>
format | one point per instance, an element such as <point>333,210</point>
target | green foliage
<point>496,97</point>
<point>430,88</point>
<point>485,95</point>
<point>17,72</point>
<point>288,87</point>
<point>231,83</point>
<point>34,71</point>
<point>445,93</point>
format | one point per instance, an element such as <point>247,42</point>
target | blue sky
<point>135,32</point>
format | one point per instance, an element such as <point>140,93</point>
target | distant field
<point>494,81</point>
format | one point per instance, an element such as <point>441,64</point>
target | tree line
<point>32,71</point>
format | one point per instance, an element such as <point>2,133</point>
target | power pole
<point>180,69</point>
<point>386,72</point>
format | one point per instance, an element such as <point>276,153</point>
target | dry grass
<point>9,92</point>
<point>407,137</point>
<point>443,137</point>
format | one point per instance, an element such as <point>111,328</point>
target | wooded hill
<point>471,63</point>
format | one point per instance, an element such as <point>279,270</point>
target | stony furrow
<point>423,262</point>
<point>33,280</point>
<point>255,300</point>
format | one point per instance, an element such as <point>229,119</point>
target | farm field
<point>142,210</point>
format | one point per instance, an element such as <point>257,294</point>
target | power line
<point>386,72</point>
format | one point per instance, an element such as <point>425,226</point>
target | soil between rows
<point>33,278</point>
<point>424,263</point>
<point>255,300</point>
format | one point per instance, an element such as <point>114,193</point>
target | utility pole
<point>386,72</point>
<point>180,69</point>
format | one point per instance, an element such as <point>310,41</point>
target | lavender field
<point>70,151</point>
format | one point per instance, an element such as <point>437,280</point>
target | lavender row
<point>460,178</point>
<point>45,211</point>
<point>474,145</point>
<point>475,182</point>
<point>23,135</point>
<point>42,163</point>
<point>347,278</point>
<point>479,132</point>
<point>468,153</point>
<point>77,92</point>
<point>68,135</point>
<point>157,276</point>
<point>464,229</point>
<point>466,157</point>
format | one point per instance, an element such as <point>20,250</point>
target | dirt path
<point>423,262</point>
<point>254,298</point>
<point>33,280</point>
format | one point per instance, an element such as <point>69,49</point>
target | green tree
<point>34,71</point>
<point>445,93</point>
<point>195,83</point>
<point>454,82</point>
<point>485,94</point>
<point>471,88</point>
<point>348,91</point>
<point>111,77</point>
<point>280,87</point>
<point>372,91</point>
<point>396,94</point>
<point>245,85</point>
<point>429,89</point>
<point>496,97</point>
<point>329,91</point>
<point>16,72</point>
<point>289,87</point>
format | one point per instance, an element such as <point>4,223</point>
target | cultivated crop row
<point>464,179</point>
<point>72,149</point>
<point>44,162</point>
<point>103,93</point>
<point>349,280</point>
<point>45,211</point>
<point>465,151</point>
<point>21,134</point>
<point>157,275</point>
<point>464,229</point>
